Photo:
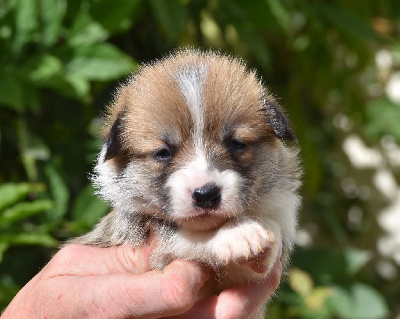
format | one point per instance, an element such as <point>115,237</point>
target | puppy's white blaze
<point>191,80</point>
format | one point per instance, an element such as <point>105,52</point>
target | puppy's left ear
<point>279,122</point>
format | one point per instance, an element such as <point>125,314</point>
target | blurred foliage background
<point>334,64</point>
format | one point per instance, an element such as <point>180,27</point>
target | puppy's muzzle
<point>207,196</point>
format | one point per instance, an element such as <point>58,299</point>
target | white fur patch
<point>243,238</point>
<point>190,80</point>
<point>105,179</point>
<point>121,189</point>
<point>196,174</point>
<point>279,206</point>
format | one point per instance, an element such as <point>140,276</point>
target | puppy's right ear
<point>113,142</point>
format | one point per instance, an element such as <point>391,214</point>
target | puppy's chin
<point>206,220</point>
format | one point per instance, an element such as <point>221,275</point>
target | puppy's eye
<point>163,155</point>
<point>236,146</point>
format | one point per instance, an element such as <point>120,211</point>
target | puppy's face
<point>194,139</point>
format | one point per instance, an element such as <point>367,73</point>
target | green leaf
<point>88,208</point>
<point>300,282</point>
<point>31,147</point>
<point>100,62</point>
<point>211,31</point>
<point>347,22</point>
<point>91,34</point>
<point>59,191</point>
<point>11,91</point>
<point>317,301</point>
<point>257,12</point>
<point>77,85</point>
<point>42,68</point>
<point>52,13</point>
<point>114,17</point>
<point>256,44</point>
<point>248,32</point>
<point>328,265</point>
<point>8,289</point>
<point>171,15</point>
<point>280,13</point>
<point>382,119</point>
<point>15,92</point>
<point>3,247</point>
<point>356,259</point>
<point>11,193</point>
<point>23,210</point>
<point>26,23</point>
<point>29,239</point>
<point>358,301</point>
<point>85,31</point>
<point>70,85</point>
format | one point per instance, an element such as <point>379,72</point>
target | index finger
<point>237,302</point>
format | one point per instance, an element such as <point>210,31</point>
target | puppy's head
<point>195,139</point>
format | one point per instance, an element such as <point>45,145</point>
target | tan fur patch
<point>156,110</point>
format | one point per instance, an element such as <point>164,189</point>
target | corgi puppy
<point>198,152</point>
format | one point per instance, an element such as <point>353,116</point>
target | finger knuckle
<point>177,293</point>
<point>66,254</point>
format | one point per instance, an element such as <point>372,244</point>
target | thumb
<point>153,294</point>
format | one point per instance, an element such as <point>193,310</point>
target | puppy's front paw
<point>239,242</point>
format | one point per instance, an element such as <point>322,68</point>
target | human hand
<point>90,282</point>
<point>239,302</point>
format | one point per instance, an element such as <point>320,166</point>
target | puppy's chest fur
<point>199,152</point>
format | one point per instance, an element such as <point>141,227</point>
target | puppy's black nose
<point>207,196</point>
